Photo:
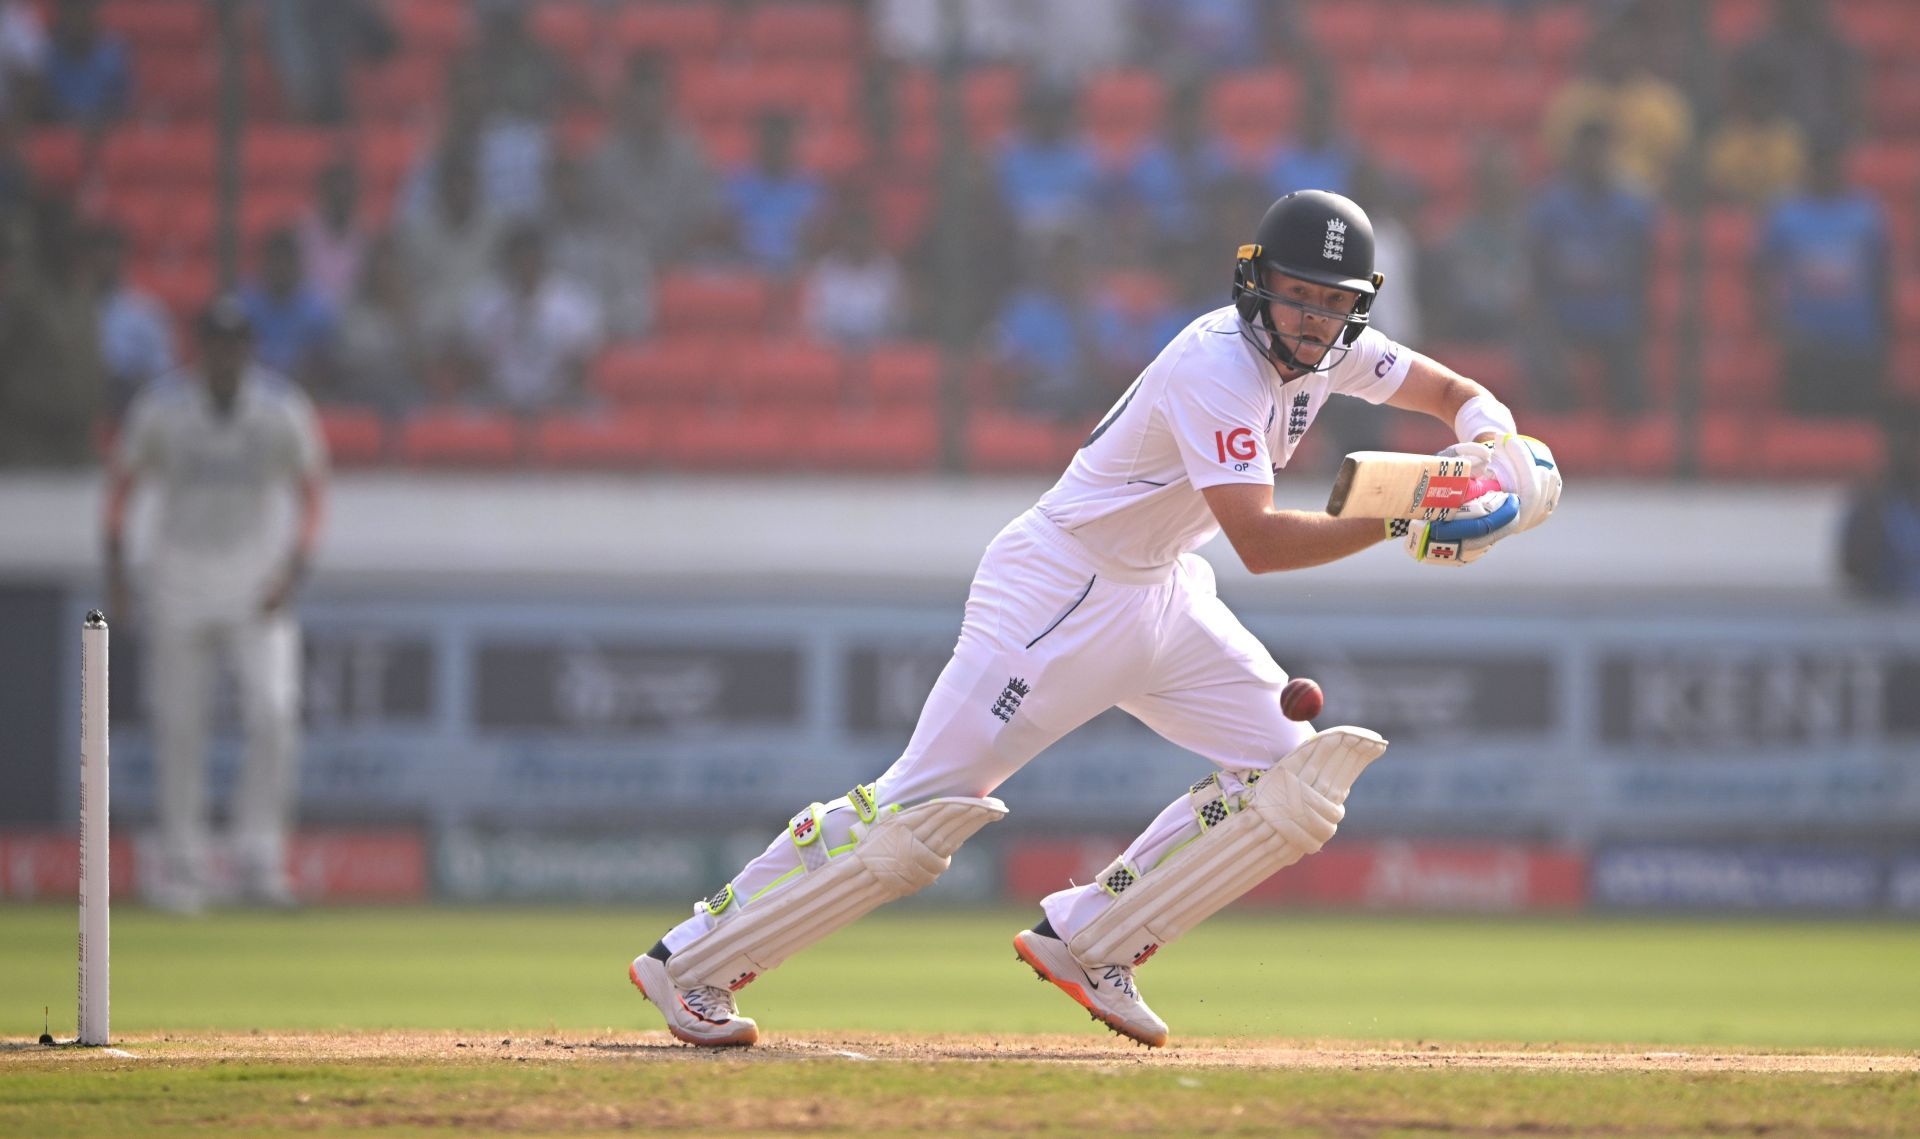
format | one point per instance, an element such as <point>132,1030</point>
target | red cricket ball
<point>1302,699</point>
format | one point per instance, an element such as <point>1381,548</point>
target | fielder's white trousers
<point>1051,638</point>
<point>183,656</point>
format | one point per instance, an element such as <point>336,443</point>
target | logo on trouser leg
<point>1140,958</point>
<point>1010,697</point>
<point>745,979</point>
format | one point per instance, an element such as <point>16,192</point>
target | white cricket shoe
<point>1106,991</point>
<point>703,1016</point>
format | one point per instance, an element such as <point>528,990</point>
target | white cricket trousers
<point>1052,637</point>
<point>182,659</point>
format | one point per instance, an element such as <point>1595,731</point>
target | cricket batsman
<point>1095,598</point>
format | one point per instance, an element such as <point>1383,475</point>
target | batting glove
<point>1471,532</point>
<point>1525,466</point>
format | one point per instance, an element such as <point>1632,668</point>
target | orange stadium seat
<point>1730,234</point>
<point>1740,372</point>
<point>288,156</point>
<point>151,26</point>
<point>1008,441</point>
<point>1796,446</point>
<point>622,438</point>
<point>56,155</point>
<point>1559,32</point>
<point>1884,32</point>
<point>179,85</point>
<point>441,27</point>
<point>803,28</point>
<point>990,101</point>
<point>1347,30</point>
<point>167,224</point>
<point>784,370</point>
<point>673,27</point>
<point>743,89</point>
<point>1737,21</point>
<point>1133,100</point>
<point>874,439</point>
<point>160,156</point>
<point>1888,168</point>
<point>1456,33</point>
<point>717,300</point>
<point>405,89</point>
<point>736,439</point>
<point>183,285</point>
<point>1594,444</point>
<point>661,369</point>
<point>1252,110</point>
<point>905,205</point>
<point>1746,442</point>
<point>1729,444</point>
<point>355,436</point>
<point>387,153</point>
<point>1894,101</point>
<point>460,437</point>
<point>1729,301</point>
<point>904,372</point>
<point>834,150</point>
<point>567,26</point>
<point>1491,364</point>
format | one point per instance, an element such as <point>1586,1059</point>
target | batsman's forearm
<point>1297,539</point>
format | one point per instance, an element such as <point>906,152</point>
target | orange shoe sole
<point>1079,994</point>
<point>633,975</point>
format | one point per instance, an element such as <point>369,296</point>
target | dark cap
<point>225,316</point>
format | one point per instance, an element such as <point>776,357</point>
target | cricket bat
<point>1392,484</point>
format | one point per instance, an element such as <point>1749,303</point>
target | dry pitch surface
<point>659,1048</point>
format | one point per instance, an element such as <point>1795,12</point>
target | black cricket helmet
<point>1313,236</point>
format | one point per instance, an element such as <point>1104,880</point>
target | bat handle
<point>1478,487</point>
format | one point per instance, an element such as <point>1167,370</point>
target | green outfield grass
<point>1724,983</point>
<point>592,1060</point>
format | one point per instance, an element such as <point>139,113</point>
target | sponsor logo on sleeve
<point>1387,361</point>
<point>1235,444</point>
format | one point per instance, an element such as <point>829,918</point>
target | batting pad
<point>899,852</point>
<point>1288,814</point>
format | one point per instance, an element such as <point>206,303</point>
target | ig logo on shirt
<point>1235,444</point>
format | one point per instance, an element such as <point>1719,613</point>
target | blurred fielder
<point>222,447</point>
<point>1094,598</point>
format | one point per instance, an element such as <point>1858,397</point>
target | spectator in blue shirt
<point>293,326</point>
<point>1047,174</point>
<point>1480,268</point>
<point>1590,242</point>
<point>1880,541</point>
<point>774,200</point>
<point>88,75</point>
<point>1827,288</point>
<point>136,337</point>
<point>1321,159</point>
<point>1045,338</point>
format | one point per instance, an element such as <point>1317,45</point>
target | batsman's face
<point>1311,316</point>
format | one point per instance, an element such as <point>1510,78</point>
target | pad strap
<point>1243,839</point>
<point>891,852</point>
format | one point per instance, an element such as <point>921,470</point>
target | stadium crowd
<point>713,233</point>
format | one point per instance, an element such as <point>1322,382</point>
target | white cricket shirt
<point>223,482</point>
<point>1208,410</point>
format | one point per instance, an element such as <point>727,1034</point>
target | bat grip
<point>1478,487</point>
